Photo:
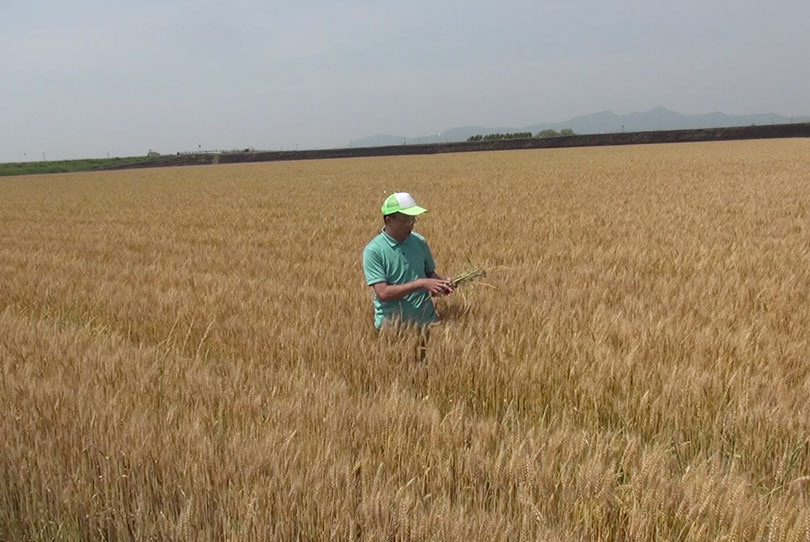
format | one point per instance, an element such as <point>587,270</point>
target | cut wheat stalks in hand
<point>468,276</point>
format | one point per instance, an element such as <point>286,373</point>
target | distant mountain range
<point>657,118</point>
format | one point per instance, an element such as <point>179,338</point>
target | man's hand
<point>392,292</point>
<point>438,287</point>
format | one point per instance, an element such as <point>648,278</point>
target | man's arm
<point>392,292</point>
<point>430,266</point>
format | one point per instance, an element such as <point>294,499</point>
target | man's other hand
<point>438,287</point>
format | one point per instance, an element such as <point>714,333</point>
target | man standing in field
<point>399,268</point>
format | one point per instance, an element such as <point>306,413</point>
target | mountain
<point>658,118</point>
<point>379,140</point>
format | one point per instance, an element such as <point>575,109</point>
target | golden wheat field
<point>188,354</point>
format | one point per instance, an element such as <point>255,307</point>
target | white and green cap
<point>401,202</point>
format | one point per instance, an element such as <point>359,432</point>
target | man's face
<point>400,226</point>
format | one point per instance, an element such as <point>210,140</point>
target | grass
<point>64,166</point>
<point>189,353</point>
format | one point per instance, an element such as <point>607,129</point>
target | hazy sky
<point>91,77</point>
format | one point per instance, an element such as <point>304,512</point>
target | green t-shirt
<point>385,260</point>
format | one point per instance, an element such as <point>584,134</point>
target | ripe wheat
<point>189,353</point>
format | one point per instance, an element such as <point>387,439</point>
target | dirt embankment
<point>590,140</point>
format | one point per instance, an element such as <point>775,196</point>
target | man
<point>400,269</point>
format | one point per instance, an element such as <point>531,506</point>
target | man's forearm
<point>392,292</point>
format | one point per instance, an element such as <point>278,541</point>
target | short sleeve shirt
<point>386,260</point>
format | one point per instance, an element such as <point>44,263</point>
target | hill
<point>604,122</point>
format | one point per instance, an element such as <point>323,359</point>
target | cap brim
<point>413,211</point>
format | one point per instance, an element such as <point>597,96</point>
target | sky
<point>92,78</point>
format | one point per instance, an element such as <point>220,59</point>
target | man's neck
<point>394,237</point>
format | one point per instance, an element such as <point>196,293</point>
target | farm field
<point>64,166</point>
<point>188,353</point>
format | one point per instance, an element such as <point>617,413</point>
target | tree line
<point>522,135</point>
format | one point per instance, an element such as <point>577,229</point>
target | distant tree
<point>516,135</point>
<point>555,133</point>
<point>495,137</point>
<point>547,133</point>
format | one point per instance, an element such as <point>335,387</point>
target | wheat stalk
<point>468,276</point>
